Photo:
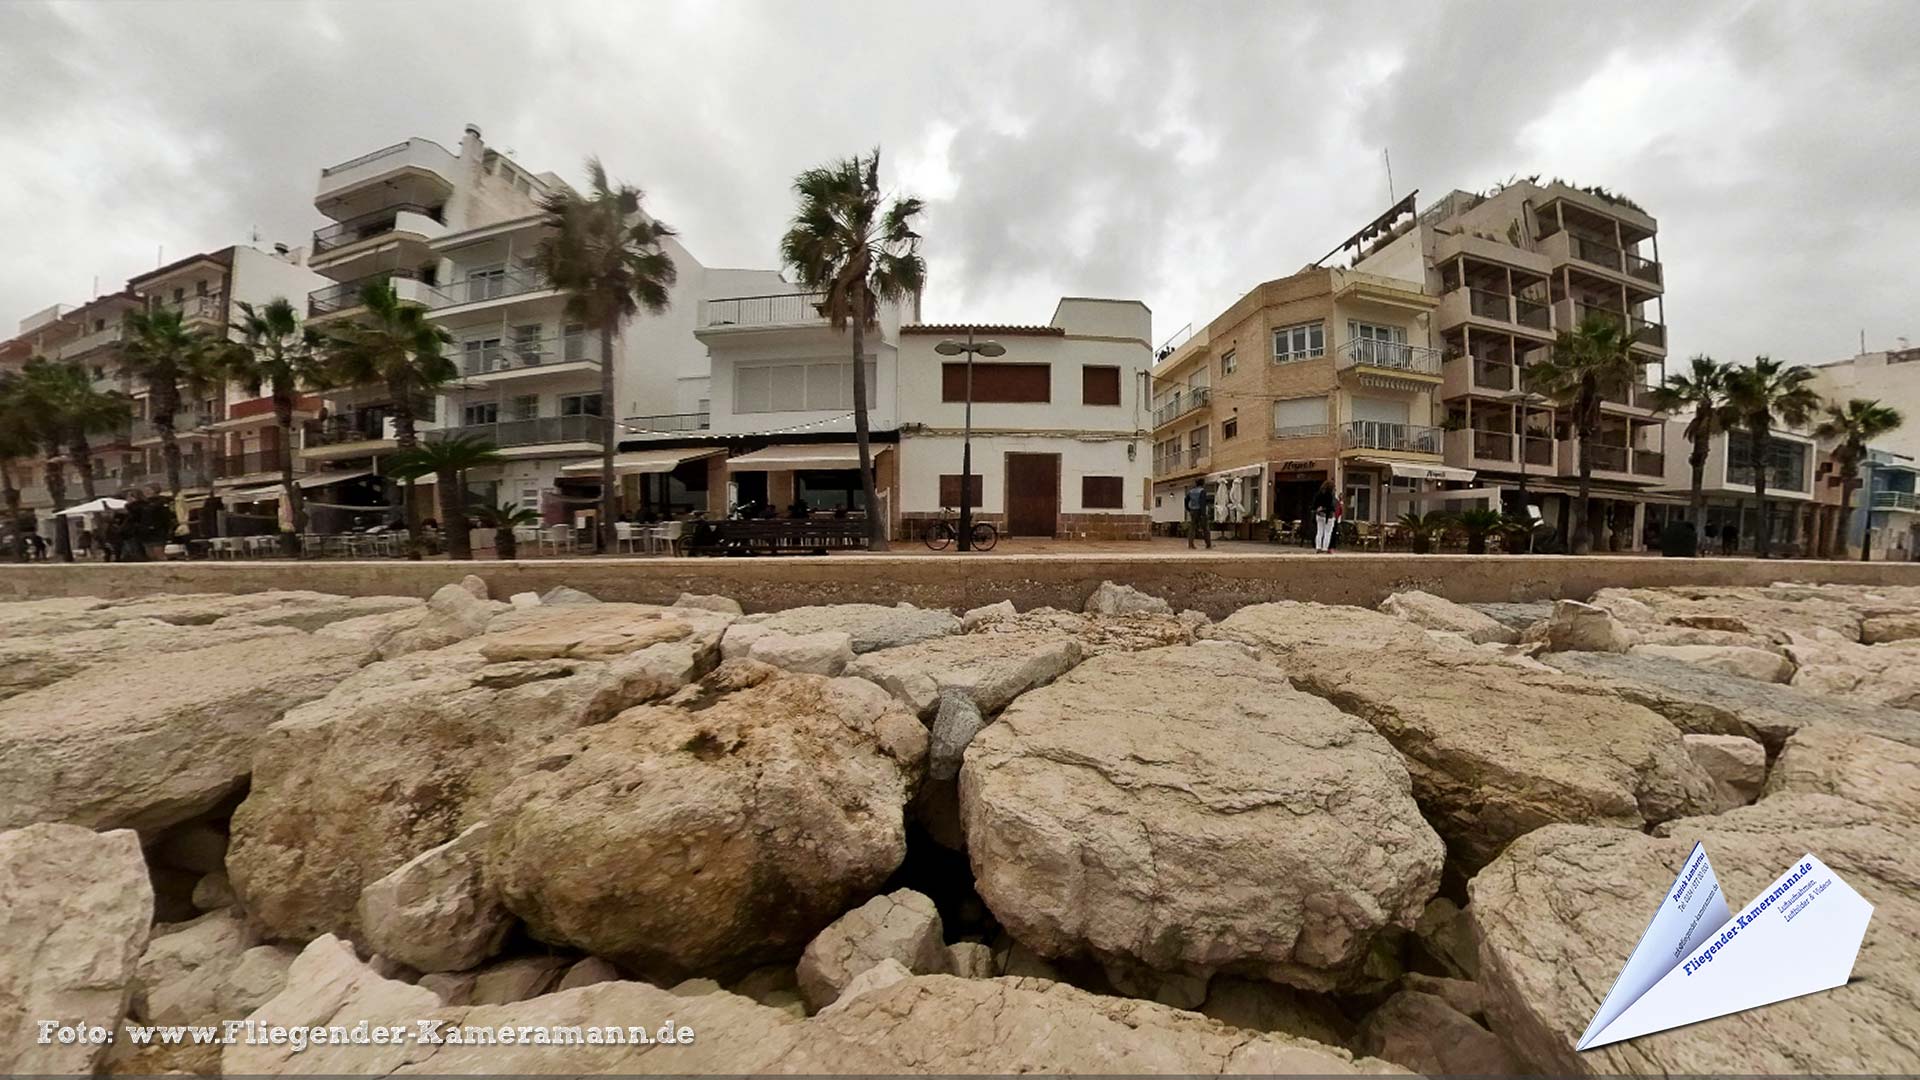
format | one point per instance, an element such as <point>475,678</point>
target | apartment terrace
<point>1385,435</point>
<point>334,300</point>
<point>527,357</point>
<point>421,220</point>
<point>538,431</point>
<point>1185,401</point>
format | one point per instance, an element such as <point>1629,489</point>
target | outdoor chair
<point>670,534</point>
<point>557,537</point>
<point>627,535</point>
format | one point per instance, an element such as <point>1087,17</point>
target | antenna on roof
<point>160,255</point>
<point>1387,156</point>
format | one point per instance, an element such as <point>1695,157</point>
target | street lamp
<point>969,349</point>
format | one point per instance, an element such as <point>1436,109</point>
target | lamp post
<point>969,349</point>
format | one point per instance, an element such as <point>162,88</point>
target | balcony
<point>113,334</point>
<point>1302,431</point>
<point>1490,305</point>
<point>1183,403</point>
<point>415,157</point>
<point>1538,450</point>
<point>346,296</point>
<point>1649,463</point>
<point>1605,457</point>
<point>230,466</point>
<point>1895,500</point>
<point>539,431</point>
<point>1648,333</point>
<point>1182,460</point>
<point>669,422</point>
<point>496,285</point>
<point>1532,314</point>
<point>501,362</point>
<point>1643,268</point>
<point>185,425</point>
<point>783,309</point>
<point>1386,435</point>
<point>1392,356</point>
<point>1570,313</point>
<point>347,429</point>
<point>427,222</point>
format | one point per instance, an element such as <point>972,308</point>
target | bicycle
<point>942,533</point>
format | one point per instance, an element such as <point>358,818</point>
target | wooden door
<point>1033,494</point>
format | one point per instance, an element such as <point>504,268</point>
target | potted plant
<point>503,519</point>
<point>1421,527</point>
<point>1478,523</point>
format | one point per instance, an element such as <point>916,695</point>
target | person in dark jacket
<point>1197,523</point>
<point>1326,511</point>
<point>1729,538</point>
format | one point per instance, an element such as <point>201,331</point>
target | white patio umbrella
<point>97,506</point>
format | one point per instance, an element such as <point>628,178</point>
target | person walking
<point>1729,538</point>
<point>1197,517</point>
<point>1326,511</point>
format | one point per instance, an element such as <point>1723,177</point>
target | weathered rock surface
<point>1764,665</point>
<point>28,662</point>
<point>436,911</point>
<point>869,626</point>
<point>1213,819</point>
<point>725,605</point>
<point>1435,613</point>
<point>1428,1035</point>
<point>327,983</point>
<point>151,740</point>
<point>213,892</point>
<point>1445,936</point>
<point>348,788</point>
<point>825,653</point>
<point>970,960</point>
<point>1098,634</point>
<point>956,720</point>
<point>1578,627</point>
<point>1496,747</point>
<point>586,973</point>
<point>1518,617</point>
<point>876,977</point>
<point>1737,764</point>
<point>1265,1006</point>
<point>719,835</point>
<point>974,618</point>
<point>565,595</point>
<point>1562,905</point>
<point>1831,665</point>
<point>1710,702</point>
<point>311,611</point>
<point>1111,599</point>
<point>1892,626</point>
<point>517,980</point>
<point>597,631</point>
<point>75,918</point>
<point>1833,759</point>
<point>988,669</point>
<point>1765,613</point>
<point>181,977</point>
<point>901,926</point>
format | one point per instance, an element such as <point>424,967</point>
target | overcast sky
<point>1174,152</point>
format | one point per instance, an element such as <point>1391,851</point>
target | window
<point>574,342</point>
<point>486,282</point>
<point>1359,499</point>
<point>1229,428</point>
<point>998,383</point>
<point>950,490</point>
<point>1296,417</point>
<point>1098,385</point>
<point>580,405</point>
<point>200,287</point>
<point>1301,342</point>
<point>1227,363</point>
<point>1102,492</point>
<point>821,386</point>
<point>180,295</point>
<point>99,325</point>
<point>1384,346</point>
<point>483,355</point>
<point>526,407</point>
<point>489,413</point>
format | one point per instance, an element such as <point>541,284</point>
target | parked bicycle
<point>942,533</point>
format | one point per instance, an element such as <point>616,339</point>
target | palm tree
<point>503,519</point>
<point>48,430</point>
<point>17,443</point>
<point>1585,360</point>
<point>1478,523</point>
<point>65,395</point>
<point>448,461</point>
<point>1854,426</point>
<point>171,359</point>
<point>1759,396</point>
<point>277,355</point>
<point>844,244</point>
<point>1421,527</point>
<point>607,254</point>
<point>1703,389</point>
<point>392,345</point>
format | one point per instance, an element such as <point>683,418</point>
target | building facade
<point>1800,519</point>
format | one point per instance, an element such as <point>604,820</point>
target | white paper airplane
<point>1697,961</point>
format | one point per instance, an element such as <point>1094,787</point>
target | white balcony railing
<point>782,309</point>
<point>1390,356</point>
<point>1386,435</point>
<point>1181,404</point>
<point>492,286</point>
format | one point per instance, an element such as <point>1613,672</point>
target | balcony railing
<point>1643,268</point>
<point>1649,463</point>
<point>1491,374</point>
<point>185,423</point>
<point>521,355</point>
<point>1490,305</point>
<point>1389,355</point>
<point>111,334</point>
<point>1605,457</point>
<point>491,286</point>
<point>692,421</point>
<point>346,295</point>
<point>777,310</point>
<point>344,428</point>
<point>1646,332</point>
<point>1493,445</point>
<point>1384,435</point>
<point>540,430</point>
<point>228,466</point>
<point>1190,458</point>
<point>212,307</point>
<point>1532,313</point>
<point>1597,252</point>
<point>1895,500</point>
<point>1538,449</point>
<point>1182,403</point>
<point>1301,431</point>
<point>368,225</point>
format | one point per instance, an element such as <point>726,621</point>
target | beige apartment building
<point>1403,379</point>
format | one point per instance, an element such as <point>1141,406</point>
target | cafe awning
<point>639,462</point>
<point>805,456</point>
<point>1416,470</point>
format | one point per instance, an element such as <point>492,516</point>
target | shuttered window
<point>950,490</point>
<point>998,383</point>
<point>1102,492</point>
<point>1099,385</point>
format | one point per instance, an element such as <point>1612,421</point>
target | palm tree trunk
<point>163,397</point>
<point>1849,483</point>
<point>1762,439</point>
<point>57,491</point>
<point>453,524</point>
<point>82,454</point>
<point>290,491</point>
<point>1587,428</point>
<point>404,438</point>
<point>1697,497</point>
<point>603,536</point>
<point>876,521</point>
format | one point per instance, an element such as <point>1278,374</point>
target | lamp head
<point>949,347</point>
<point>991,348</point>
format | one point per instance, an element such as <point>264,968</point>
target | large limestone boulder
<point>827,652</point>
<point>868,626</point>
<point>326,984</point>
<point>1765,665</point>
<point>27,662</point>
<point>1833,759</point>
<point>437,911</point>
<point>1428,1035</point>
<point>901,926</point>
<point>719,834</point>
<point>725,605</point>
<point>1096,634</point>
<point>74,917</point>
<point>1559,911</point>
<point>1263,1006</point>
<point>1209,817</point>
<point>311,611</point>
<point>1827,663</point>
<point>1708,702</point>
<point>155,739</point>
<point>182,975</point>
<point>988,669</point>
<point>1766,613</point>
<point>1496,747</point>
<point>1737,764</point>
<point>348,788</point>
<point>1578,627</point>
<point>1112,599</point>
<point>1889,626</point>
<point>452,614</point>
<point>1437,613</point>
<point>596,631</point>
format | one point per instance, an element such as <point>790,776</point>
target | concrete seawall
<point>1215,584</point>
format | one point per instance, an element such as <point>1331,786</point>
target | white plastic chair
<point>557,537</point>
<point>670,534</point>
<point>626,534</point>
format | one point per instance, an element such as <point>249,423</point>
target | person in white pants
<point>1325,513</point>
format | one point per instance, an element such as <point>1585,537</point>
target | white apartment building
<point>1793,476</point>
<point>1889,376</point>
